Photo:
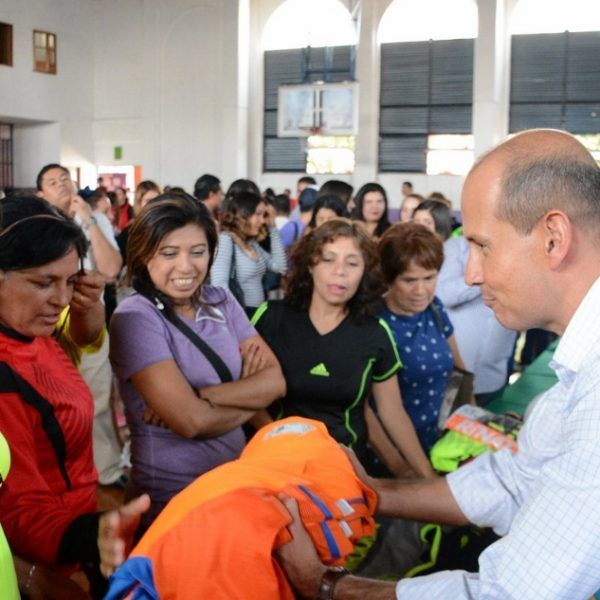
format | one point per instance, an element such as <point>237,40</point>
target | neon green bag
<point>8,578</point>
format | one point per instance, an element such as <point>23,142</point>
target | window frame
<point>6,155</point>
<point>49,64</point>
<point>6,44</point>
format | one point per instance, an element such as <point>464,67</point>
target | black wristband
<point>79,541</point>
<point>329,581</point>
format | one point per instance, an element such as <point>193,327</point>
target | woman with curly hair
<point>334,353</point>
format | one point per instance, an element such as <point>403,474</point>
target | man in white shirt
<point>532,218</point>
<point>55,186</point>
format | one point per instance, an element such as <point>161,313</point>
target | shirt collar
<point>15,335</point>
<point>207,312</point>
<point>581,335</point>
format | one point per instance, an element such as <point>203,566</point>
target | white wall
<point>64,99</point>
<point>34,145</point>
<point>170,90</point>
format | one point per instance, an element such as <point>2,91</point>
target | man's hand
<point>116,529</point>
<point>358,468</point>
<point>87,291</point>
<point>80,208</point>
<point>298,557</point>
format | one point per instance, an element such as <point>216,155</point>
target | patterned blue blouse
<point>427,363</point>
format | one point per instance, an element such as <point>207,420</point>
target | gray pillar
<point>491,80</point>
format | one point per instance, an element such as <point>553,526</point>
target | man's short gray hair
<point>530,188</point>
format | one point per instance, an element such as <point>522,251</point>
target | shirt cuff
<point>481,495</point>
<point>445,584</point>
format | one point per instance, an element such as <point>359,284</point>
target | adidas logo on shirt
<point>320,370</point>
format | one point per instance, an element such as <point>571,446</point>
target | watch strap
<point>329,581</point>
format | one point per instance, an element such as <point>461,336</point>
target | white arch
<point>301,23</point>
<point>554,16</point>
<point>419,20</point>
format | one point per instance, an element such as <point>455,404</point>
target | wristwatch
<point>329,581</point>
<point>92,221</point>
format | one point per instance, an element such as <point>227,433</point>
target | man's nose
<point>473,270</point>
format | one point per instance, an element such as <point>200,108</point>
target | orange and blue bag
<point>216,538</point>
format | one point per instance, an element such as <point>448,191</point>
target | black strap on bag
<point>213,358</point>
<point>460,383</point>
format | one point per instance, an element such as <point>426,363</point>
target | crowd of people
<point>208,316</point>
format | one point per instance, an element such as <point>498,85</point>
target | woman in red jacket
<point>48,506</point>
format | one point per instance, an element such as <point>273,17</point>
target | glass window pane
<point>449,162</point>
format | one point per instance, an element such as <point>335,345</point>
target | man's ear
<point>557,237</point>
<point>40,194</point>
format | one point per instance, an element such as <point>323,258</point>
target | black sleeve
<point>263,320</point>
<point>79,542</point>
<point>388,360</point>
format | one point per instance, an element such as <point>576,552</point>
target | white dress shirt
<point>545,499</point>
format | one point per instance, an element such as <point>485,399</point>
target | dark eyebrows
<point>174,247</point>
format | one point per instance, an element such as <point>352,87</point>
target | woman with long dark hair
<point>172,388</point>
<point>241,261</point>
<point>327,207</point>
<point>372,208</point>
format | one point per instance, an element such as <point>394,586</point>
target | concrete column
<point>34,145</point>
<point>491,77</point>
<point>260,11</point>
<point>236,62</point>
<point>368,75</point>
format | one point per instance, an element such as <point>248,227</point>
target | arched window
<point>542,16</point>
<point>414,21</point>
<point>305,42</point>
<point>315,23</point>
<point>555,68</point>
<point>427,86</point>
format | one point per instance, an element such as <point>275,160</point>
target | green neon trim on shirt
<point>398,364</point>
<point>320,370</point>
<point>258,313</point>
<point>356,401</point>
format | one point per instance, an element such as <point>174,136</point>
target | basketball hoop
<point>308,131</point>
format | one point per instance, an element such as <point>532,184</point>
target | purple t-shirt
<point>291,232</point>
<point>163,462</point>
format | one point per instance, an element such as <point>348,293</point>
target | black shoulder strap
<point>232,266</point>
<point>12,382</point>
<point>213,358</point>
<point>296,227</point>
<point>438,317</point>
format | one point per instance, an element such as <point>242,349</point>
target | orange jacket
<point>216,538</point>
